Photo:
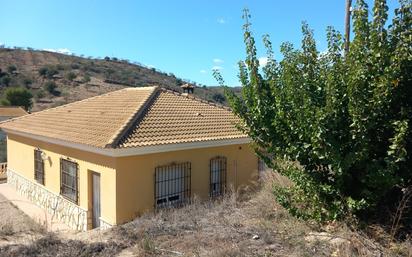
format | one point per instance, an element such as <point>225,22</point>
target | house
<point>7,112</point>
<point>106,160</point>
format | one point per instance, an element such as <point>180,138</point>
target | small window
<point>38,167</point>
<point>172,185</point>
<point>217,176</point>
<point>69,180</point>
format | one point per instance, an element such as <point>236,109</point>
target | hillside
<point>76,78</point>
<point>241,224</point>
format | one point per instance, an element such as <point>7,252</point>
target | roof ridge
<point>69,104</point>
<point>132,119</point>
<point>192,97</point>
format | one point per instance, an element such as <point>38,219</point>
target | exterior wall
<point>21,161</point>
<point>135,180</point>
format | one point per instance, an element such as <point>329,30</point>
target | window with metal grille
<point>217,176</point>
<point>172,185</point>
<point>38,167</point>
<point>69,180</point>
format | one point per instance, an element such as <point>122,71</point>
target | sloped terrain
<point>76,78</point>
<point>248,223</point>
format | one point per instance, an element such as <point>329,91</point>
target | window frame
<point>39,162</point>
<point>221,161</point>
<point>76,179</point>
<point>163,187</point>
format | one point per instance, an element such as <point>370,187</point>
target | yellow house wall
<point>20,158</point>
<point>135,180</point>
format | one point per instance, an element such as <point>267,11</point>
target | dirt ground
<point>15,226</point>
<point>238,225</point>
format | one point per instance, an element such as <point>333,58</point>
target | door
<point>96,199</point>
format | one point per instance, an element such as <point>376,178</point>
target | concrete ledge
<point>58,207</point>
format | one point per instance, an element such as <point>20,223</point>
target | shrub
<point>219,98</point>
<point>48,71</point>
<point>40,94</point>
<point>18,96</point>
<point>27,82</point>
<point>338,126</point>
<point>75,66</point>
<point>5,80</point>
<point>11,69</point>
<point>71,76</point>
<point>86,78</point>
<point>50,86</point>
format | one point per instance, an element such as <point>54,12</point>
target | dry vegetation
<point>241,224</point>
<point>77,78</point>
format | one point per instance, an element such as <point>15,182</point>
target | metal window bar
<point>38,167</point>
<point>172,185</point>
<point>69,180</point>
<point>218,174</point>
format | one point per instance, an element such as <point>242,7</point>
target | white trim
<point>121,152</point>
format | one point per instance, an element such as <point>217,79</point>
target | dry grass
<point>240,224</point>
<point>13,222</point>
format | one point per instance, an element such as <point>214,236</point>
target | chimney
<point>187,89</point>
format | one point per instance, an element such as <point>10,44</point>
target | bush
<point>5,80</point>
<point>219,98</point>
<point>11,69</point>
<point>75,66</point>
<point>18,96</point>
<point>339,127</point>
<point>86,78</point>
<point>48,71</point>
<point>40,94</point>
<point>71,76</point>
<point>50,86</point>
<point>27,82</point>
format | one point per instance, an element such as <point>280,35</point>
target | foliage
<point>48,71</point>
<point>18,96</point>
<point>339,127</point>
<point>40,94</point>
<point>219,98</point>
<point>11,69</point>
<point>5,80</point>
<point>71,76</point>
<point>50,86</point>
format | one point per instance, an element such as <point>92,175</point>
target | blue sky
<point>186,37</point>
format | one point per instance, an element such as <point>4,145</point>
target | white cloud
<point>203,71</point>
<point>150,66</point>
<point>221,21</point>
<point>59,50</point>
<point>263,61</point>
<point>217,61</point>
<point>216,67</point>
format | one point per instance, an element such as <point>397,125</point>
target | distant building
<point>9,112</point>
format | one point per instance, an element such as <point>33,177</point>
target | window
<point>217,176</point>
<point>38,166</point>
<point>172,185</point>
<point>69,180</point>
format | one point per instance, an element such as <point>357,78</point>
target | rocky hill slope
<point>56,79</point>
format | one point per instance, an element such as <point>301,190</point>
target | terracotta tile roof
<point>173,118</point>
<point>94,121</point>
<point>132,117</point>
<point>12,111</point>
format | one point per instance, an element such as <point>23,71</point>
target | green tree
<point>18,96</point>
<point>339,127</point>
